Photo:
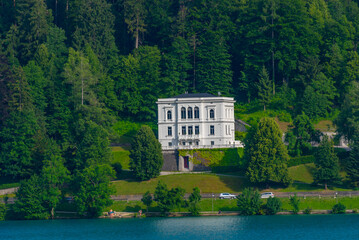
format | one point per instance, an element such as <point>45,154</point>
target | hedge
<point>295,161</point>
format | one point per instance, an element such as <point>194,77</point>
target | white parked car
<point>267,195</point>
<point>226,195</point>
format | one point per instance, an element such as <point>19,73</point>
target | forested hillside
<point>69,69</point>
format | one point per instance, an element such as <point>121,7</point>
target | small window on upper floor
<point>196,112</point>
<point>169,115</point>
<point>183,130</point>
<point>190,113</point>
<point>211,130</point>
<point>183,113</point>
<point>169,131</point>
<point>211,114</point>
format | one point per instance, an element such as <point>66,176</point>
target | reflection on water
<point>257,227</point>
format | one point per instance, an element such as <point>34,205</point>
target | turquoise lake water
<point>237,227</point>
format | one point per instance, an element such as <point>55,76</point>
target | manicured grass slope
<point>121,155</point>
<point>302,173</point>
<point>208,183</point>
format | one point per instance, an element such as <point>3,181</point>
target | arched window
<point>169,115</point>
<point>190,113</point>
<point>183,113</point>
<point>211,114</point>
<point>196,112</point>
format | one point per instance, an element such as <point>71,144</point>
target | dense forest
<point>70,68</point>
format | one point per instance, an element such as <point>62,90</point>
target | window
<point>183,113</point>
<point>183,143</point>
<point>190,143</point>
<point>211,130</point>
<point>183,130</point>
<point>190,113</point>
<point>197,143</point>
<point>169,131</point>
<point>211,114</point>
<point>169,115</point>
<point>190,130</point>
<point>212,143</point>
<point>196,112</point>
<point>196,130</point>
<point>170,144</point>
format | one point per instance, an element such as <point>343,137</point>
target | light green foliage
<point>339,208</point>
<point>273,206</point>
<point>294,202</point>
<point>327,163</point>
<point>266,154</point>
<point>249,202</point>
<point>92,190</point>
<point>147,199</point>
<point>146,158</point>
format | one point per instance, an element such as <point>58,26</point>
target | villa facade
<point>199,120</point>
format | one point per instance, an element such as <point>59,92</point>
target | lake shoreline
<point>206,214</point>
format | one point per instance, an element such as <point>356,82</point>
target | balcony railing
<point>236,144</point>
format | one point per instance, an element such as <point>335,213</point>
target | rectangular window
<point>211,130</point>
<point>212,143</point>
<point>170,144</point>
<point>190,143</point>
<point>190,130</point>
<point>197,143</point>
<point>183,143</point>
<point>183,130</point>
<point>169,131</point>
<point>196,130</point>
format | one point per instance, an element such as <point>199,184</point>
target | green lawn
<point>121,155</point>
<point>302,173</point>
<point>208,183</point>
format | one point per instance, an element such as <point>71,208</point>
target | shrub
<point>2,211</point>
<point>249,202</point>
<point>338,208</point>
<point>294,202</point>
<point>194,199</point>
<point>147,199</point>
<point>118,169</point>
<point>273,206</point>
<point>308,210</point>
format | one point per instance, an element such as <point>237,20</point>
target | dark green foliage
<point>339,208</point>
<point>300,137</point>
<point>353,163</point>
<point>266,154</point>
<point>29,203</point>
<point>294,202</point>
<point>249,202</point>
<point>2,211</point>
<point>194,199</point>
<point>273,206</point>
<point>348,119</point>
<point>92,190</point>
<point>168,199</point>
<point>308,210</point>
<point>146,156</point>
<point>264,87</point>
<point>147,199</point>
<point>327,163</point>
<point>118,169</point>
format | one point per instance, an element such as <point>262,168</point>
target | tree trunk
<point>194,62</point>
<point>52,213</point>
<point>136,44</point>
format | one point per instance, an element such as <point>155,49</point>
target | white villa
<point>196,120</point>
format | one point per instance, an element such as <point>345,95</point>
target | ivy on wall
<point>215,157</point>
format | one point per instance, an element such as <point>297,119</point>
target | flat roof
<point>194,95</point>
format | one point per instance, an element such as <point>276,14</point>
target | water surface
<point>237,227</point>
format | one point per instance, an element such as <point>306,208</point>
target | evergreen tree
<point>249,202</point>
<point>147,199</point>
<point>266,154</point>
<point>146,156</point>
<point>327,163</point>
<point>135,13</point>
<point>353,163</point>
<point>264,88</point>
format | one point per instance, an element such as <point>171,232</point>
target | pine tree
<point>135,13</point>
<point>146,156</point>
<point>327,163</point>
<point>353,163</point>
<point>266,154</point>
<point>264,88</point>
